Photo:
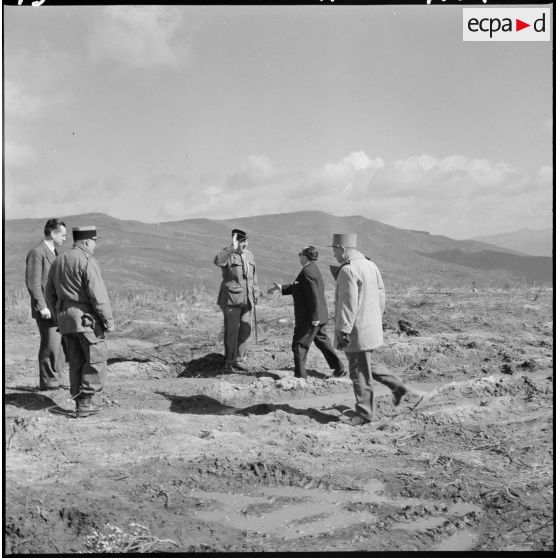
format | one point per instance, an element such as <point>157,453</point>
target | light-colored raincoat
<point>359,304</point>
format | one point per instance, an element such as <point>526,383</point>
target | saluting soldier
<point>77,297</point>
<point>238,295</point>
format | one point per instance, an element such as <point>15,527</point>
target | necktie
<point>55,252</point>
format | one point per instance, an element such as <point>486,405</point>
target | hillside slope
<point>528,241</point>
<point>179,255</point>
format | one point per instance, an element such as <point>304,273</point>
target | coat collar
<point>50,255</point>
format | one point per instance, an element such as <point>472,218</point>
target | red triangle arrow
<point>519,25</point>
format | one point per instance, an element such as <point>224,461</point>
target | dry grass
<point>115,540</point>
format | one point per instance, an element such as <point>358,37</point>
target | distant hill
<point>179,255</point>
<point>531,268</point>
<point>526,241</point>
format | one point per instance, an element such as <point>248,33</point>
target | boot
<point>85,406</point>
<point>398,394</point>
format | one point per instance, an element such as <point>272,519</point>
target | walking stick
<point>256,322</point>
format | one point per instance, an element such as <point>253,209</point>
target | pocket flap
<point>234,287</point>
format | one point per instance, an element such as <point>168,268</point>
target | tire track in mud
<point>470,468</point>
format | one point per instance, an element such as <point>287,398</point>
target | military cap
<point>240,235</point>
<point>84,233</point>
<point>344,240</point>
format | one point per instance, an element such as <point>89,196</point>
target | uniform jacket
<point>359,304</point>
<point>308,296</point>
<point>237,287</point>
<point>76,293</point>
<point>37,266</point>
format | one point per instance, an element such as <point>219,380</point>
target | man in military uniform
<point>359,305</point>
<point>238,295</point>
<point>77,297</point>
<point>37,266</point>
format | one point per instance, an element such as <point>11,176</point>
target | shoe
<point>340,373</point>
<point>51,388</point>
<point>228,369</point>
<point>240,366</point>
<point>86,407</point>
<point>398,395</point>
<point>357,420</point>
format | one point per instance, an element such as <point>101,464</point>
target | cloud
<point>17,154</point>
<point>455,195</point>
<point>545,175</point>
<point>138,36</point>
<point>255,171</point>
<point>21,105</point>
<point>351,176</point>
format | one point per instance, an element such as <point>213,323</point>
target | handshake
<point>275,289</point>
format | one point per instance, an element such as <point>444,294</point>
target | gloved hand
<point>316,323</point>
<point>45,314</point>
<point>343,339</point>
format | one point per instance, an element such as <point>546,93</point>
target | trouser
<point>362,371</point>
<point>306,334</point>
<point>51,354</point>
<point>237,331</point>
<point>87,357</point>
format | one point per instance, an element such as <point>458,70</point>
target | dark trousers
<point>87,357</point>
<point>363,371</point>
<point>51,354</point>
<point>237,331</point>
<point>306,334</point>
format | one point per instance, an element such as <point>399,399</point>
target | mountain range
<point>528,241</point>
<point>179,255</point>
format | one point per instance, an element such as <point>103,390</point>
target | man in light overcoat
<point>359,305</point>
<point>37,266</point>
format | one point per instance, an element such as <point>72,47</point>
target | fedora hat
<point>347,240</point>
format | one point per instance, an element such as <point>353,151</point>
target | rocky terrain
<point>186,458</point>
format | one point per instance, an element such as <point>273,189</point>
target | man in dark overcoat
<point>37,266</point>
<point>311,314</point>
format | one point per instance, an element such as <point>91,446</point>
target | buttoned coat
<point>237,287</point>
<point>308,296</point>
<point>37,265</point>
<point>76,294</point>
<point>359,304</point>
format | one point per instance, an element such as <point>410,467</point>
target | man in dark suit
<point>39,260</point>
<point>310,314</point>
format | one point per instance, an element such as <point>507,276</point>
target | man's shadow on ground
<point>204,405</point>
<point>213,364</point>
<point>31,399</point>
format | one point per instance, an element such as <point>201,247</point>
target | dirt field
<point>188,459</point>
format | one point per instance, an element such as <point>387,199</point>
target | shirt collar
<point>50,244</point>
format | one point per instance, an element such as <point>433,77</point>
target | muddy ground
<point>186,458</point>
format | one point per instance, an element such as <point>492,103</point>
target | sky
<point>164,112</point>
